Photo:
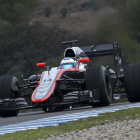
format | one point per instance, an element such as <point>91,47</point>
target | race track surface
<point>23,117</point>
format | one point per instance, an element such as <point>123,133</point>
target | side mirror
<point>41,65</point>
<point>83,60</point>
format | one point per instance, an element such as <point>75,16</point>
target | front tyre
<point>9,88</point>
<point>97,79</point>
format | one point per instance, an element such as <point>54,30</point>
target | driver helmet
<point>67,63</point>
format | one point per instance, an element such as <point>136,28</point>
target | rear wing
<point>99,50</point>
<point>94,51</point>
<point>106,49</point>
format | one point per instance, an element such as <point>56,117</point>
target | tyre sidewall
<point>107,92</point>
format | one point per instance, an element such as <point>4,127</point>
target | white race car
<point>73,82</point>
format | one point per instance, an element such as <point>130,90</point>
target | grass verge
<point>77,125</point>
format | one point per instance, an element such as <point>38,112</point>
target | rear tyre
<point>9,88</point>
<point>131,80</point>
<point>97,79</point>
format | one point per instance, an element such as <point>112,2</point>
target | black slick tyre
<point>96,79</point>
<point>9,88</point>
<point>131,81</point>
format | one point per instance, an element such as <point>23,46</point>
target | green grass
<point>77,125</point>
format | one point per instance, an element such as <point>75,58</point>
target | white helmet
<point>67,63</point>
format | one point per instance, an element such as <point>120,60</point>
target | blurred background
<point>31,31</point>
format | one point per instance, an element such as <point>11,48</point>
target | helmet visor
<point>67,66</point>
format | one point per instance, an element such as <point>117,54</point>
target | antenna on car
<point>70,42</point>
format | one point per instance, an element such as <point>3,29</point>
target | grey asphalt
<point>29,116</point>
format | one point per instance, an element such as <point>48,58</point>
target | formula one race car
<point>73,82</point>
